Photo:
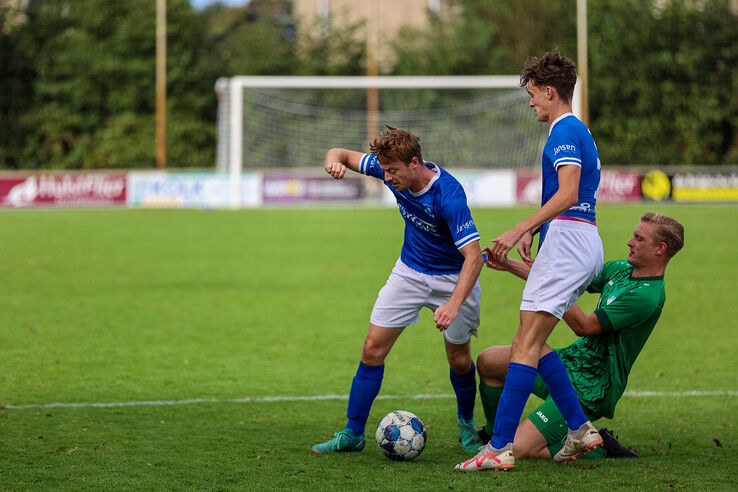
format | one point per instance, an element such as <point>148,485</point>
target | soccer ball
<point>401,435</point>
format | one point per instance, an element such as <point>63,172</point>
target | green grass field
<point>163,306</point>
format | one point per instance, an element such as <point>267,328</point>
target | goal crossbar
<point>381,82</point>
<point>233,89</point>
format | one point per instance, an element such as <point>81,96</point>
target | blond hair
<point>666,230</point>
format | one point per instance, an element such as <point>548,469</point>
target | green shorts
<point>548,419</point>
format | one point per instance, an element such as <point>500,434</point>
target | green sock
<point>595,454</point>
<point>540,389</point>
<point>490,396</point>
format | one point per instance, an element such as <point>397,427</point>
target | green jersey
<point>628,310</point>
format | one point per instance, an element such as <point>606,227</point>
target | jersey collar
<point>436,170</point>
<point>550,129</point>
<point>661,277</point>
<point>631,277</point>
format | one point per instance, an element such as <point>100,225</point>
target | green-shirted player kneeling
<point>631,299</point>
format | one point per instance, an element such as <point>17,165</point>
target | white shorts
<point>399,302</point>
<point>570,258</point>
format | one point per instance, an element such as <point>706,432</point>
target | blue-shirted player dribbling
<point>438,268</point>
<point>568,260</point>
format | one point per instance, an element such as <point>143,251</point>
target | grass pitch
<point>101,307</point>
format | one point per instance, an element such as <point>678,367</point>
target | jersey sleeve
<point>565,149</point>
<point>458,217</point>
<point>369,165</point>
<point>628,310</point>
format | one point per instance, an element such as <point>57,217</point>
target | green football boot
<point>343,442</point>
<point>468,436</point>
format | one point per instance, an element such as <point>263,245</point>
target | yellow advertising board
<point>705,187</point>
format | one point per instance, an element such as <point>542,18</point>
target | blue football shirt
<point>570,143</point>
<point>438,222</point>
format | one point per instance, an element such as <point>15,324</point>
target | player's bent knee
<point>460,364</point>
<point>461,367</point>
<point>373,353</point>
<point>459,359</point>
<point>493,361</point>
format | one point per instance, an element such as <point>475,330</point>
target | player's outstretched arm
<point>446,313</point>
<point>505,264</point>
<point>338,160</point>
<point>566,197</point>
<point>582,324</point>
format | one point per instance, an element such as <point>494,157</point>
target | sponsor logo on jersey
<point>542,416</point>
<point>582,207</point>
<point>565,147</point>
<point>418,222</point>
<point>466,225</point>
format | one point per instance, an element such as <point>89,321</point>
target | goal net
<point>480,122</point>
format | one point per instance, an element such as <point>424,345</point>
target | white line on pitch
<point>272,399</point>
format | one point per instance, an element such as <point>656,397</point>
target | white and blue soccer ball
<point>401,435</point>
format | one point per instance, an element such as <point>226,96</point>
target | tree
<point>663,81</point>
<point>486,37</point>
<point>254,39</point>
<point>16,80</point>
<point>93,87</point>
<point>662,78</point>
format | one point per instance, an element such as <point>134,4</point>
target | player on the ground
<point>631,299</point>
<point>569,259</point>
<point>438,268</point>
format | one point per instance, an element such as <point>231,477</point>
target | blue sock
<point>364,389</point>
<point>562,392</point>
<point>465,387</point>
<point>518,386</point>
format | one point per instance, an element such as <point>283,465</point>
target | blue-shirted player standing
<point>438,268</point>
<point>568,260</point>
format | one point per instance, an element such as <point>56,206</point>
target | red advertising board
<point>615,186</point>
<point>63,190</point>
<point>619,186</point>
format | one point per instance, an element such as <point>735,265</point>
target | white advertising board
<point>189,190</point>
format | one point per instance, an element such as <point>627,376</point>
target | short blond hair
<point>666,230</point>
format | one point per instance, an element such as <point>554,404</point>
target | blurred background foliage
<point>77,77</point>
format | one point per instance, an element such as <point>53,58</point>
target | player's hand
<point>505,242</point>
<point>445,315</point>
<point>495,262</point>
<point>524,248</point>
<point>335,169</point>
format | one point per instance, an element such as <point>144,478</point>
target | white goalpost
<point>277,122</point>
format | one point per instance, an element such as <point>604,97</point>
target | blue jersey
<point>570,143</point>
<point>438,222</point>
